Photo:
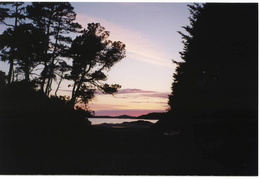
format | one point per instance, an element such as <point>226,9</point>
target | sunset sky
<point>149,31</point>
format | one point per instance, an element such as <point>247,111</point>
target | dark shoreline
<point>132,148</point>
<point>134,124</point>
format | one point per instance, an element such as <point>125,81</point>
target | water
<point>95,121</point>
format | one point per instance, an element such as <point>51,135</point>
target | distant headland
<point>154,115</point>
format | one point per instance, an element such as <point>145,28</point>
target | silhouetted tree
<point>2,79</point>
<point>27,42</point>
<point>56,19</point>
<point>62,69</point>
<point>11,10</point>
<point>92,55</point>
<point>43,42</point>
<point>218,77</point>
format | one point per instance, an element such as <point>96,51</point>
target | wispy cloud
<point>134,93</point>
<point>132,99</point>
<point>149,102</point>
<point>127,91</point>
<point>137,46</point>
<point>141,93</point>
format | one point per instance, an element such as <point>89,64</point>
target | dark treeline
<point>38,46</point>
<point>154,115</point>
<point>214,93</point>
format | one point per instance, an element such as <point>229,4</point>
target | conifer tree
<point>219,76</point>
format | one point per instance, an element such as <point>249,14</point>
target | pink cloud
<point>133,93</point>
<point>153,102</point>
<point>130,93</point>
<point>137,93</point>
<point>127,91</point>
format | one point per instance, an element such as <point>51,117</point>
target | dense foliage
<point>218,78</point>
<point>39,48</point>
<point>215,90</point>
<point>92,54</point>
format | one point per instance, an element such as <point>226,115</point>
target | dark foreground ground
<point>121,151</point>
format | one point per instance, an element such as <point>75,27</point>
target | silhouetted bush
<point>23,108</point>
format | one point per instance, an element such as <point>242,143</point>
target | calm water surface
<point>95,121</point>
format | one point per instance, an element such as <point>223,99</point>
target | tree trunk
<point>27,76</point>
<point>77,85</point>
<point>73,96</point>
<point>48,86</point>
<point>26,72</point>
<point>61,77</point>
<point>9,77</point>
<point>46,56</point>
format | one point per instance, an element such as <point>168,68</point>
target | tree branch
<point>7,24</point>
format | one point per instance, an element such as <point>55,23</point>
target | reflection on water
<point>95,121</point>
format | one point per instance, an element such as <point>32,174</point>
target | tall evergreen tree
<point>219,76</point>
